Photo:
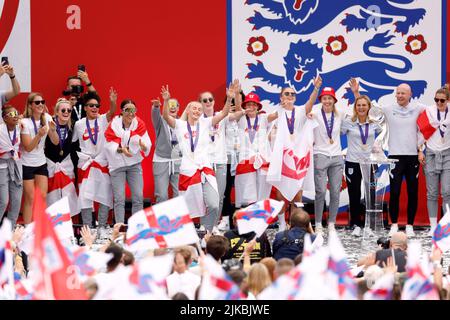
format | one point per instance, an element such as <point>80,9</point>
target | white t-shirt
<point>200,157</point>
<point>436,142</point>
<point>232,136</point>
<point>5,137</point>
<point>402,124</point>
<point>185,282</point>
<point>260,145</point>
<point>322,143</point>
<point>80,132</point>
<point>36,157</point>
<point>217,148</point>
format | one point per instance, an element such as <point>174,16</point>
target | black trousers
<point>228,207</point>
<point>353,177</point>
<point>407,167</point>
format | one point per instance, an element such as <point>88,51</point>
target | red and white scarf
<point>61,183</point>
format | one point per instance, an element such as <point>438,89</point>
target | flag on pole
<point>60,217</point>
<point>165,225</point>
<point>216,284</point>
<point>49,260</point>
<point>257,217</point>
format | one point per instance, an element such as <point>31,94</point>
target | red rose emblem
<point>257,46</point>
<point>336,45</point>
<point>416,44</point>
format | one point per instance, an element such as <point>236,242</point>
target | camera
<point>232,264</point>
<point>384,242</point>
<point>75,90</point>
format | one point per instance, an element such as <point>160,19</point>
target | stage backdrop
<point>137,46</point>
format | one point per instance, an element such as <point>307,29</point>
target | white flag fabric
<point>6,254</point>
<point>60,217</point>
<point>291,162</point>
<point>382,289</point>
<point>165,225</point>
<point>216,284</point>
<point>257,217</point>
<point>441,236</point>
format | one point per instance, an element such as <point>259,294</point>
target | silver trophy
<point>381,142</point>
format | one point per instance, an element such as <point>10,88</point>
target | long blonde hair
<point>28,113</point>
<point>56,110</point>
<point>355,114</point>
<point>258,278</point>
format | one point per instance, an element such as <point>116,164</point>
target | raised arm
<point>156,114</point>
<point>226,109</point>
<point>313,97</point>
<point>354,86</point>
<point>52,134</point>
<point>166,116</point>
<point>9,70</point>
<point>239,112</point>
<point>112,105</point>
<point>272,117</point>
<point>83,75</point>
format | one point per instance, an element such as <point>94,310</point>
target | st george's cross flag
<point>257,217</point>
<point>165,225</point>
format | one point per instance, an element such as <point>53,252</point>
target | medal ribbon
<point>252,130</point>
<point>364,135</point>
<point>329,128</point>
<point>193,144</point>
<point>62,139</point>
<point>439,119</point>
<point>13,140</point>
<point>93,138</point>
<point>291,122</point>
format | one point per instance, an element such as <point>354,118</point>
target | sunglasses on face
<point>207,100</point>
<point>39,102</point>
<point>66,110</point>
<point>93,105</point>
<point>130,110</point>
<point>439,100</point>
<point>287,94</point>
<point>12,114</point>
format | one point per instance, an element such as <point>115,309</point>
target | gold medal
<point>331,141</point>
<point>61,153</point>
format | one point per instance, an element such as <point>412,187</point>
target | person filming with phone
<point>6,68</point>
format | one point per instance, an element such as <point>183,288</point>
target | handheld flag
<point>257,217</point>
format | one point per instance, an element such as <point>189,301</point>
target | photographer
<point>75,89</point>
<point>289,243</point>
<point>7,96</point>
<point>398,244</point>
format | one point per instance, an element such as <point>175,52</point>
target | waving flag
<point>165,225</point>
<point>418,286</point>
<point>61,219</point>
<point>441,236</point>
<point>382,289</point>
<point>6,254</point>
<point>216,284</point>
<point>49,260</point>
<point>257,217</point>
<point>22,288</point>
<point>426,126</point>
<point>88,262</point>
<point>340,278</point>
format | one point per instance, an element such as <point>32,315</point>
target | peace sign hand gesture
<point>165,93</point>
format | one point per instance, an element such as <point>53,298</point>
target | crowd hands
<point>253,264</point>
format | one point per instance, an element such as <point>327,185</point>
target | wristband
<point>89,84</point>
<point>12,77</point>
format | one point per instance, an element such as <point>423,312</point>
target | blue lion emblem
<point>309,16</point>
<point>304,60</point>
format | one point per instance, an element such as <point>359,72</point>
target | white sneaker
<point>356,231</point>
<point>368,233</point>
<point>431,232</point>
<point>224,224</point>
<point>319,229</point>
<point>410,231</point>
<point>394,229</point>
<point>331,227</point>
<point>102,233</point>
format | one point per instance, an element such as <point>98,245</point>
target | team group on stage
<point>90,156</point>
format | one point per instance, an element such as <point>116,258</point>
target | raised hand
<point>112,95</point>
<point>43,131</point>
<point>165,93</point>
<point>83,75</point>
<point>318,82</point>
<point>87,236</point>
<point>156,103</point>
<point>354,85</point>
<point>52,126</point>
<point>9,70</point>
